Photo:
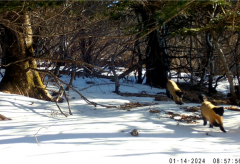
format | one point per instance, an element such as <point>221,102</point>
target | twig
<point>61,89</point>
<point>69,107</point>
<point>84,64</point>
<point>60,93</point>
<point>35,135</point>
<point>19,12</point>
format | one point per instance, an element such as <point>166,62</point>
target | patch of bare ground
<point>191,119</point>
<point>130,105</point>
<point>141,94</point>
<point>190,108</point>
<point>144,94</point>
<point>234,108</point>
<point>191,95</point>
<point>154,111</point>
<point>181,118</point>
<point>2,117</point>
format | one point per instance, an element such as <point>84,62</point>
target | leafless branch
<point>61,89</point>
<point>84,64</point>
<point>58,82</point>
<point>35,135</point>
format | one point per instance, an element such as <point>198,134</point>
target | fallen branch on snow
<point>35,135</point>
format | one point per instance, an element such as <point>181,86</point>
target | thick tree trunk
<point>139,69</point>
<point>18,79</point>
<point>139,54</point>
<point>158,64</point>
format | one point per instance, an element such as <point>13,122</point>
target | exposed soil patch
<point>191,95</point>
<point>234,108</point>
<point>154,111</point>
<point>161,98</point>
<point>2,117</point>
<point>142,94</point>
<point>191,119</point>
<point>183,118</point>
<point>158,97</point>
<point>177,117</point>
<point>190,108</point>
<point>130,105</point>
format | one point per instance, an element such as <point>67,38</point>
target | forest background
<point>164,38</point>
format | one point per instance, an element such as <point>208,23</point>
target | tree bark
<point>18,79</point>
<point>73,75</point>
<point>63,54</point>
<point>140,67</point>
<point>158,64</point>
<point>115,77</point>
<point>226,69</point>
<point>139,54</point>
<point>210,56</point>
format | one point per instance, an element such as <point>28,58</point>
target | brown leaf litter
<point>184,118</point>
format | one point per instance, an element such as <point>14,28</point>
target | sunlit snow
<point>38,133</point>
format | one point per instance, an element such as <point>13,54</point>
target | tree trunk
<point>73,75</point>
<point>210,54</point>
<point>226,69</point>
<point>238,86</point>
<point>158,66</point>
<point>63,54</point>
<point>86,50</point>
<point>18,79</point>
<point>139,54</point>
<point>139,67</point>
<point>116,79</point>
<point>237,67</point>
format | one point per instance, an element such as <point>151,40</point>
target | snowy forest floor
<point>39,133</point>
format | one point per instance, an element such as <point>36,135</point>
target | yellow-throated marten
<point>174,92</point>
<point>211,113</point>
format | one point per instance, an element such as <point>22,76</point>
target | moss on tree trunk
<point>18,79</point>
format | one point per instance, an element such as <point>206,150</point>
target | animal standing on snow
<point>174,92</point>
<point>211,113</point>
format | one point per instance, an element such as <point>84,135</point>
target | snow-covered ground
<point>38,133</point>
